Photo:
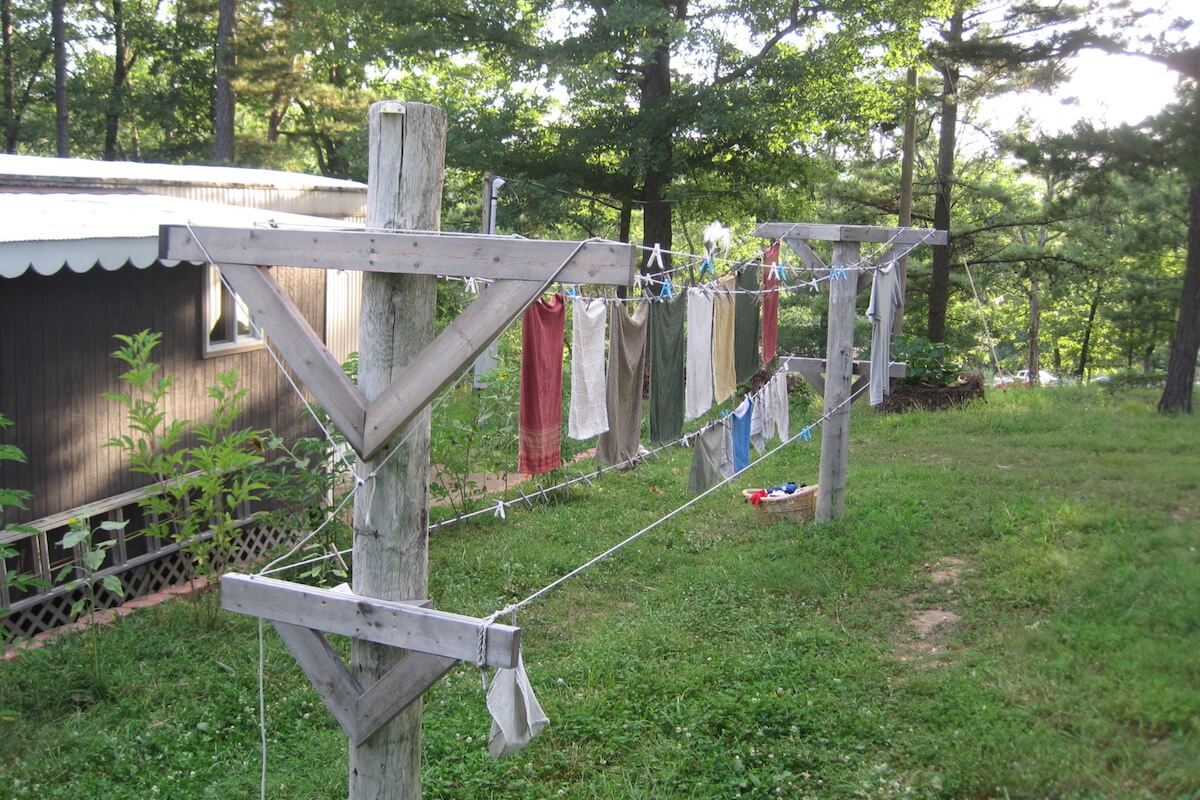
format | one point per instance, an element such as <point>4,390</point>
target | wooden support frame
<point>436,641</point>
<point>838,377</point>
<point>521,266</point>
<point>813,371</point>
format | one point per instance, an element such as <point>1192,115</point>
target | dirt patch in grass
<point>925,639</point>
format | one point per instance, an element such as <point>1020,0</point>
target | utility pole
<point>391,512</point>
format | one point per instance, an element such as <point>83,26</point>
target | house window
<point>227,325</point>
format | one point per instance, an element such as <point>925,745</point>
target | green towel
<point>667,353</point>
<point>745,325</point>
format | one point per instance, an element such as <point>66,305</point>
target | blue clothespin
<point>667,291</point>
<point>706,266</point>
<point>837,273</point>
<point>780,270</point>
<point>572,292</point>
<point>806,434</point>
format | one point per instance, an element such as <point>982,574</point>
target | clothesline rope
<point>512,608</point>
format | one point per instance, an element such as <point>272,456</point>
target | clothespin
<point>472,287</point>
<point>806,434</point>
<point>837,273</point>
<point>667,291</point>
<point>707,266</point>
<point>780,269</point>
<point>583,477</point>
<point>572,291</point>
<point>525,499</point>
<point>499,512</point>
<point>655,258</point>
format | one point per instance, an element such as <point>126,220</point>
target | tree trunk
<point>116,101</point>
<point>906,177</point>
<point>656,94</point>
<point>939,279</point>
<point>1181,369</point>
<point>1088,324</point>
<point>58,22</point>
<point>10,91</point>
<point>1035,323</point>
<point>224,102</point>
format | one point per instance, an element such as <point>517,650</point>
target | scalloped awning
<point>47,231</point>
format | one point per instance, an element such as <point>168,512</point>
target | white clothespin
<point>655,258</point>
<point>472,287</point>
<point>499,512</point>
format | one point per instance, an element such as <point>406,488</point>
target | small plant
<point>90,555</point>
<point>929,363</point>
<point>201,487</point>
<point>14,499</point>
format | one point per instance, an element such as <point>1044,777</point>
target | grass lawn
<point>1048,541</point>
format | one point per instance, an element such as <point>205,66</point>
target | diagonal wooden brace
<point>435,642</point>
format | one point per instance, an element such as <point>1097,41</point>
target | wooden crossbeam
<point>813,371</point>
<point>850,233</point>
<point>521,266</point>
<point>453,255</point>
<point>407,626</point>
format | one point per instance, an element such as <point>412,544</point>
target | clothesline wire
<point>512,608</point>
<point>503,505</point>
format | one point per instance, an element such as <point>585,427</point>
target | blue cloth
<point>741,434</point>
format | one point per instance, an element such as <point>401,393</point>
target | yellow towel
<point>724,375</point>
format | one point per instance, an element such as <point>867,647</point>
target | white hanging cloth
<point>779,405</point>
<point>517,716</point>
<point>698,396</point>
<point>885,299</point>
<point>587,415</point>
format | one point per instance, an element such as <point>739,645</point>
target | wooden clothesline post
<point>839,364</point>
<point>400,647</point>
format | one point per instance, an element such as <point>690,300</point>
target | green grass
<point>716,658</point>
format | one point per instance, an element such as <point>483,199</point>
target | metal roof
<point>292,192</point>
<point>46,231</point>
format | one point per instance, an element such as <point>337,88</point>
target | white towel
<point>780,409</point>
<point>588,414</point>
<point>517,716</point>
<point>698,396</point>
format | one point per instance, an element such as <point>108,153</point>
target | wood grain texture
<point>839,366</point>
<point>456,255</point>
<point>326,671</point>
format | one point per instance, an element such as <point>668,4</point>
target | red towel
<point>770,304</point>
<point>541,386</point>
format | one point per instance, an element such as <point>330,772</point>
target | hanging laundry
<point>742,416</point>
<point>588,413</point>
<point>885,299</point>
<point>626,368</point>
<point>517,717</point>
<point>781,412</point>
<point>706,459</point>
<point>758,422</point>
<point>723,372</point>
<point>541,386</point>
<point>666,369</point>
<point>699,389</point>
<point>726,447</point>
<point>745,336</point>
<point>770,304</point>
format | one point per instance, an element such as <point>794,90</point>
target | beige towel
<point>588,413</point>
<point>724,375</point>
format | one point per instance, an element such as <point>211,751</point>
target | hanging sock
<point>745,336</point>
<point>770,305</point>
<point>723,371</point>
<point>588,413</point>
<point>540,413</point>
<point>886,297</point>
<point>666,369</point>
<point>517,717</point>
<point>621,443</point>
<point>706,459</point>
<point>698,396</point>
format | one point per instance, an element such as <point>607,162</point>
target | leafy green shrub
<point>18,499</point>
<point>929,363</point>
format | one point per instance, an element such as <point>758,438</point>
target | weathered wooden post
<point>404,191</point>
<point>839,364</point>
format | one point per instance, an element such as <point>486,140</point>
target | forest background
<point>645,120</point>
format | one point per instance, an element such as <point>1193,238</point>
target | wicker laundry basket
<point>799,506</point>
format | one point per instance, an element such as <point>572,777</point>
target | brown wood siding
<point>56,344</point>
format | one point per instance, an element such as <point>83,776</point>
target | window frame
<point>239,343</point>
